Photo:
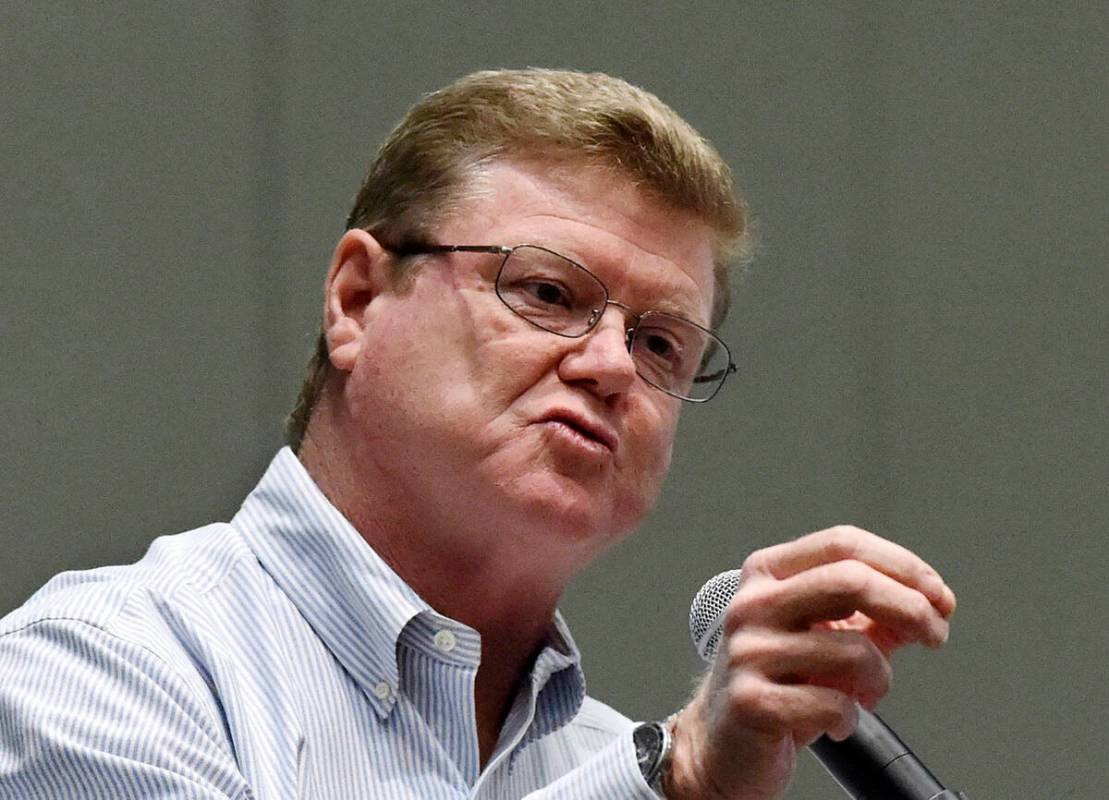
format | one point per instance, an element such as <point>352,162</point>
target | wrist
<point>653,743</point>
<point>676,780</point>
<point>685,777</point>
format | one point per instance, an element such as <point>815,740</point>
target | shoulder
<point>97,661</point>
<point>135,609</point>
<point>111,713</point>
<point>102,598</point>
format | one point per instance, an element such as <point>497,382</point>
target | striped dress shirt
<point>278,657</point>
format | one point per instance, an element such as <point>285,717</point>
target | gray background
<point>922,338</point>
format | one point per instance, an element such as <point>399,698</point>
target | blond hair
<point>424,169</point>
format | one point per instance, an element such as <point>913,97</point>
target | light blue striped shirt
<point>279,657</point>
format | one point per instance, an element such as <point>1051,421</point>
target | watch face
<point>648,747</point>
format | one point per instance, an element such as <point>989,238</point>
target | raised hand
<point>808,635</point>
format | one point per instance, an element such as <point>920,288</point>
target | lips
<point>589,428</point>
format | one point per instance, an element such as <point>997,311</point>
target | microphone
<point>872,763</point>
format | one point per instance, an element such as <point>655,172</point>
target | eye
<point>668,350</point>
<point>659,345</point>
<point>548,293</point>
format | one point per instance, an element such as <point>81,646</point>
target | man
<point>521,304</point>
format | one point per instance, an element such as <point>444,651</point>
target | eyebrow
<point>674,302</point>
<point>677,309</point>
<point>667,304</point>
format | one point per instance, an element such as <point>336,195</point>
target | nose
<point>600,361</point>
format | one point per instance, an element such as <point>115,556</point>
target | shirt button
<point>445,641</point>
<point>383,690</point>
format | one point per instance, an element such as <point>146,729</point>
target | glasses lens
<point>550,291</point>
<point>679,357</point>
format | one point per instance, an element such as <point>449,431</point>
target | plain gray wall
<point>922,339</point>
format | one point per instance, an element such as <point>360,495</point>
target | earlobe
<point>358,273</point>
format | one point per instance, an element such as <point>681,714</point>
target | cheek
<point>514,360</point>
<point>503,352</point>
<point>655,459</point>
<point>653,419</point>
<point>650,436</point>
<point>410,375</point>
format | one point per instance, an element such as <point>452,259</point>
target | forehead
<point>648,254</point>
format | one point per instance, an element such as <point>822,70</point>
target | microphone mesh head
<point>706,614</point>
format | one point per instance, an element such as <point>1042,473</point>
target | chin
<point>563,512</point>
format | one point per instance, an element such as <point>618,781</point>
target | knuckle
<point>842,541</point>
<point>755,562</point>
<point>851,578</point>
<point>737,651</point>
<point>735,615</point>
<point>755,702</point>
<point>746,605</point>
<point>747,695</point>
<point>750,649</point>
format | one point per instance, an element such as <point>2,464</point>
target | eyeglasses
<point>561,296</point>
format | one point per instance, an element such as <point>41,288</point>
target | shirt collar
<point>357,604</point>
<point>352,599</point>
<point>558,681</point>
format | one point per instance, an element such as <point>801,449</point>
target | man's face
<point>492,434</point>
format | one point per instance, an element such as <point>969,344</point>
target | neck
<point>500,597</point>
<point>508,601</point>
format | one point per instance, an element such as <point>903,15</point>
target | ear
<point>359,271</point>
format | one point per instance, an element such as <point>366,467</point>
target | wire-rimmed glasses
<point>561,296</point>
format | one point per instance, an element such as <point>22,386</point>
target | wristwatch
<point>652,751</point>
